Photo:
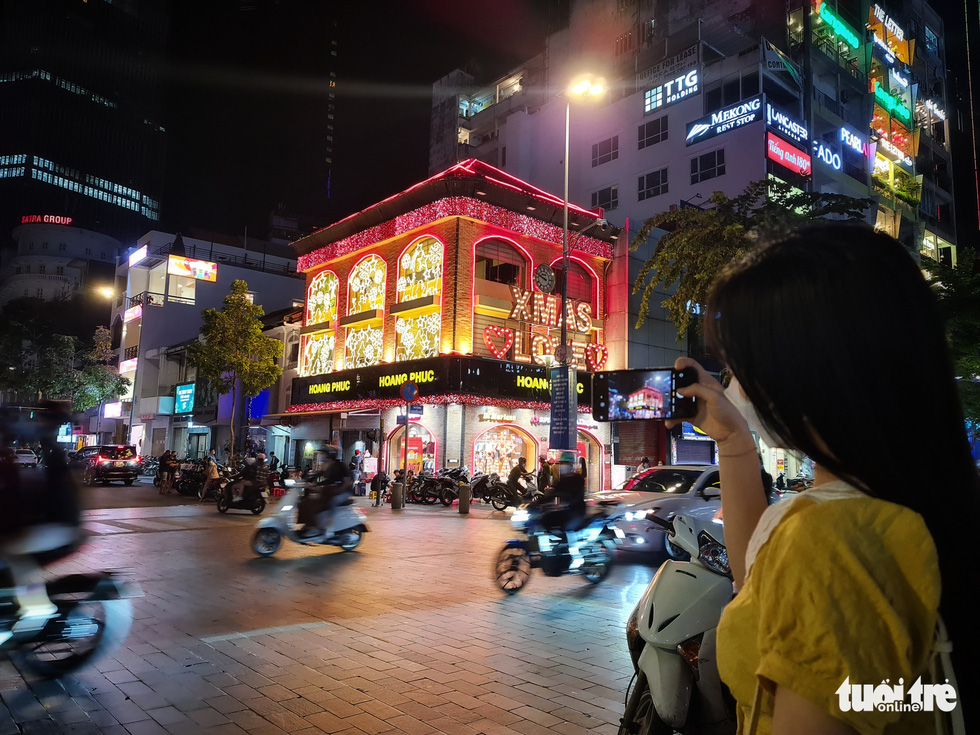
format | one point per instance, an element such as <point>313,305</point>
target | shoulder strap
<point>941,671</point>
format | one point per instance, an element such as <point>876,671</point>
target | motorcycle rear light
<point>689,651</point>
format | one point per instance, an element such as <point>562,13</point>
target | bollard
<point>397,496</point>
<point>464,498</point>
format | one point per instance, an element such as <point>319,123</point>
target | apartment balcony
<point>131,353</point>
<point>147,298</point>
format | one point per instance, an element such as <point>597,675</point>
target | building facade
<point>836,96</point>
<point>434,287</point>
<point>162,287</point>
<point>80,113</point>
<point>51,259</point>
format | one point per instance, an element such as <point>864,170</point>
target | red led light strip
<point>468,400</point>
<point>450,207</point>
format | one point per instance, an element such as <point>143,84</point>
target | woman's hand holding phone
<point>716,416</point>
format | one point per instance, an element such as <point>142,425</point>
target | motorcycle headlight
<point>520,517</point>
<point>633,640</point>
<point>713,555</point>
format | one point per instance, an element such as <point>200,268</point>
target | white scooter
<point>348,523</point>
<point>671,637</point>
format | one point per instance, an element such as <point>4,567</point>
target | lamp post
<point>564,404</point>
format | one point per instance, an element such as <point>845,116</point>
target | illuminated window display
<point>498,449</point>
<point>418,336</point>
<point>366,285</point>
<point>420,270</point>
<point>318,353</point>
<point>421,449</point>
<point>363,347</point>
<point>321,299</point>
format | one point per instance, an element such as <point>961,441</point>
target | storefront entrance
<point>421,449</point>
<point>588,447</point>
<point>498,449</point>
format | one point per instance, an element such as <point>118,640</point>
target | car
<point>666,490</point>
<point>105,463</point>
<point>25,457</point>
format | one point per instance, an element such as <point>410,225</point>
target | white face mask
<point>744,406</point>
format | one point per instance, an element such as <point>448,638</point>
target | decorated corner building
<point>436,287</point>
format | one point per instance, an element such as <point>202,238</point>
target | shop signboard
<point>669,67</point>
<point>827,155</point>
<point>786,155</point>
<point>184,398</point>
<point>785,125</point>
<point>564,408</point>
<point>437,376</point>
<point>201,270</point>
<point>138,256</point>
<point>724,120</point>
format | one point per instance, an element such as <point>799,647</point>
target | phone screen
<point>629,395</point>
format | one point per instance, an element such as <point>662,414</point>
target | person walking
<point>583,470</point>
<point>544,474</point>
<point>279,469</point>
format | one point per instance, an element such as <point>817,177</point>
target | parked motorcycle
<point>191,479</point>
<point>349,522</point>
<point>149,466</point>
<point>550,550</point>
<point>252,498</point>
<point>671,637</point>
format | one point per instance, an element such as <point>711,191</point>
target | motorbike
<point>349,522</point>
<point>252,498</point>
<point>149,466</point>
<point>191,480</point>
<point>671,637</point>
<point>449,481</point>
<point>502,494</point>
<point>550,550</point>
<point>93,618</point>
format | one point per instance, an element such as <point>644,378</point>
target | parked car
<point>666,490</point>
<point>105,463</point>
<point>25,457</point>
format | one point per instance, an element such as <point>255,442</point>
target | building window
<point>60,270</point>
<point>88,251</point>
<point>607,198</point>
<point>366,286</point>
<point>30,246</point>
<point>42,268</point>
<point>500,262</point>
<point>652,185</point>
<point>44,246</point>
<point>932,41</point>
<point>61,246</point>
<point>420,270</point>
<point>581,284</point>
<point>605,151</point>
<point>318,353</point>
<point>321,299</point>
<point>708,166</point>
<point>651,133</point>
<point>40,293</point>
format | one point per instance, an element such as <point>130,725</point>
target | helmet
<point>261,455</point>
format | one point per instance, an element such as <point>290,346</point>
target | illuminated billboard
<point>133,312</point>
<point>202,270</point>
<point>728,118</point>
<point>184,398</point>
<point>112,410</point>
<point>137,256</point>
<point>784,154</point>
<point>128,366</point>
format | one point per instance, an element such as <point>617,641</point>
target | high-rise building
<point>82,136</point>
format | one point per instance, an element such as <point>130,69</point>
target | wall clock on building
<point>544,278</point>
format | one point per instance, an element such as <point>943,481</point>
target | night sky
<point>247,93</point>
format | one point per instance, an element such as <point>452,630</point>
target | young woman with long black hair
<point>838,350</point>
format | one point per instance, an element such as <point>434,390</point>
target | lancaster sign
<point>724,120</point>
<point>783,124</point>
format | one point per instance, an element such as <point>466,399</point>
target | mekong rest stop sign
<point>409,391</point>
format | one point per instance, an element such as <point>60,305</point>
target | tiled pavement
<point>405,635</point>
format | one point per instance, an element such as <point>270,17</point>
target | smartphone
<point>631,395</point>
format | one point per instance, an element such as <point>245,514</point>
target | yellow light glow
<point>417,336</point>
<point>596,89</point>
<point>107,292</point>
<point>582,86</point>
<point>321,301</point>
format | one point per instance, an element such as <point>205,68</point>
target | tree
<point>700,242</point>
<point>39,363</point>
<point>98,381</point>
<point>233,352</point>
<point>958,291</point>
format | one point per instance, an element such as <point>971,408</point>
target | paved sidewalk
<point>405,635</point>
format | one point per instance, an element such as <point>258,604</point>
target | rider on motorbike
<point>334,483</point>
<point>568,495</point>
<point>519,472</point>
<point>43,517</point>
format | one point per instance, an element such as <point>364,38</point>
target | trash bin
<point>397,496</point>
<point>464,498</point>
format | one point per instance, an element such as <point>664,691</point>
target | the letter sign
<point>45,219</point>
<point>786,155</point>
<point>728,118</point>
<point>827,155</point>
<point>782,123</point>
<point>671,91</point>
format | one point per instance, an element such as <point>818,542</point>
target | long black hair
<point>837,340</point>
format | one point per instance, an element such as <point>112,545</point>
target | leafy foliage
<point>958,290</point>
<point>700,242</point>
<point>232,351</point>
<point>98,382</point>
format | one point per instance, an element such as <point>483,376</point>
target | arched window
<point>321,299</point>
<point>580,282</point>
<point>501,262</point>
<point>366,286</point>
<point>417,330</point>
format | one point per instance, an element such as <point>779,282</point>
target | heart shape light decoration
<point>493,332</point>
<point>595,357</point>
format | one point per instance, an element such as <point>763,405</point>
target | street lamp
<point>584,87</point>
<point>564,382</point>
